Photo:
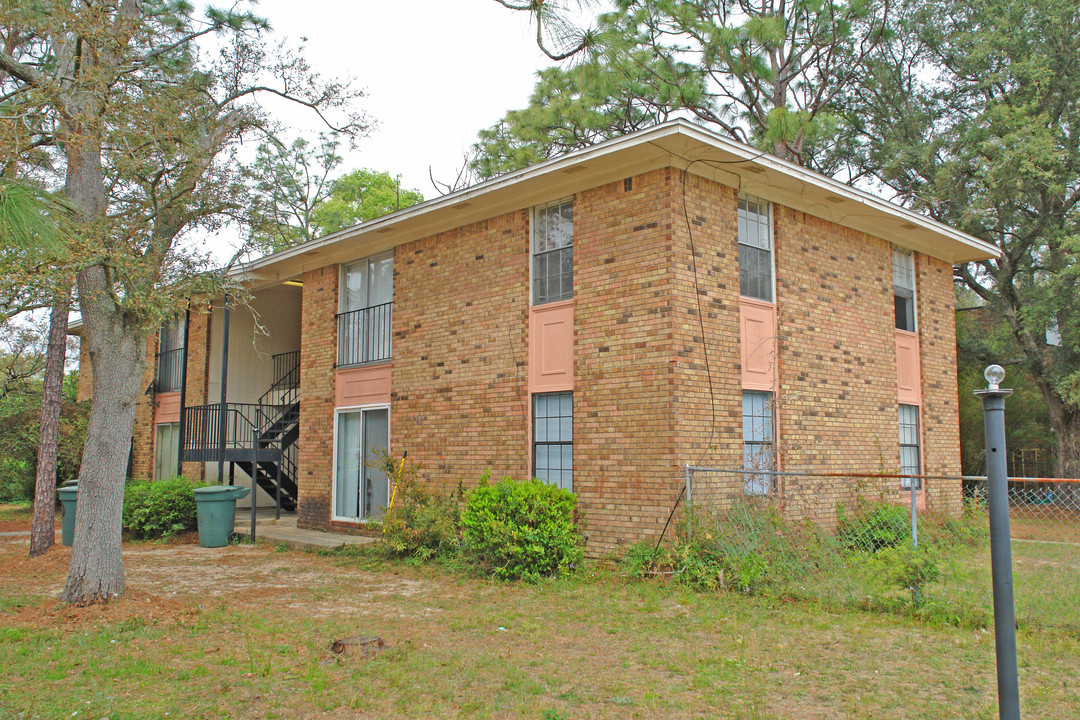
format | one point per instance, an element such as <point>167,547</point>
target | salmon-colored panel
<point>363,386</point>
<point>908,372</point>
<point>551,347</point>
<point>168,408</point>
<point>757,323</point>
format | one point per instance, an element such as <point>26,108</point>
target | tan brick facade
<point>459,403</point>
<point>318,353</point>
<point>657,364</point>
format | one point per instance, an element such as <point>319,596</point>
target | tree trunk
<point>117,356</point>
<point>1066,426</point>
<point>42,532</point>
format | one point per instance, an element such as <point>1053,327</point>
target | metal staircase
<point>259,438</point>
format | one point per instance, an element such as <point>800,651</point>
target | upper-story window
<point>553,252</point>
<point>755,249</point>
<point>170,356</point>
<point>364,323</point>
<point>903,270</point>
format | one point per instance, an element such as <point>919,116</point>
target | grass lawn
<point>240,632</point>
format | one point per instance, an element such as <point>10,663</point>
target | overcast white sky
<point>435,73</point>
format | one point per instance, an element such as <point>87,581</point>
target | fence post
<point>997,481</point>
<point>914,515</point>
<point>688,484</point>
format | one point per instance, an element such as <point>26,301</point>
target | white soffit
<point>679,144</point>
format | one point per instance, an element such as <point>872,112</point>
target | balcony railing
<point>364,335</point>
<point>170,370</point>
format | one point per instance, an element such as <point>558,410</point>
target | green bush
<point>875,526</point>
<point>159,509</point>
<point>419,524</point>
<point>521,529</point>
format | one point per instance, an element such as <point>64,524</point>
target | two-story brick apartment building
<point>599,320</point>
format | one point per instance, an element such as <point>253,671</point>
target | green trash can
<point>69,493</point>
<point>216,510</point>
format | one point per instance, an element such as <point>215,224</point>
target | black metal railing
<point>170,370</point>
<point>364,335</point>
<point>203,426</point>
<point>286,370</point>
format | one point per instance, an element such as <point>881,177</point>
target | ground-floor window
<point>553,438</point>
<point>759,441</point>
<point>361,488</point>
<point>910,454</point>
<point>166,451</point>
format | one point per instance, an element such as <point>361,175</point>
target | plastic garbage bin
<point>69,493</point>
<point>216,510</point>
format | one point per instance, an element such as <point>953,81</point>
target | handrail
<point>364,334</point>
<point>170,369</point>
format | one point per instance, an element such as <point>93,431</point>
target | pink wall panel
<point>757,325</point>
<point>551,347</point>
<point>363,386</point>
<point>908,372</point>
<point>168,408</point>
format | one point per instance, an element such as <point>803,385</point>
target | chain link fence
<point>868,540</point>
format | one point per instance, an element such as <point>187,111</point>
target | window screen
<point>553,438</point>
<point>553,252</point>
<point>904,289</point>
<point>910,457</point>
<point>755,249</point>
<point>759,441</point>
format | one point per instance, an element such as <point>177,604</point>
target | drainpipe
<point>224,385</point>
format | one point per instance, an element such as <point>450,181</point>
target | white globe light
<point>994,375</point>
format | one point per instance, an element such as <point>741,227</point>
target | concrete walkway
<point>285,532</point>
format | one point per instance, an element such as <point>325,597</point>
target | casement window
<point>365,319</point>
<point>759,441</point>
<point>755,249</point>
<point>910,454</point>
<point>553,438</point>
<point>361,487</point>
<point>903,264</point>
<point>170,356</point>
<point>553,252</point>
<point>166,451</point>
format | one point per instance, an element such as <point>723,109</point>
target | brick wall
<point>459,404</point>
<point>197,375</point>
<point>318,353</point>
<point>940,413</point>
<point>142,437</point>
<point>85,390</point>
<point>837,407</point>
<point>708,390</point>
<point>624,424</point>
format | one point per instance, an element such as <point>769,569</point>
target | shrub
<point>521,529</point>
<point>159,509</point>
<point>748,548</point>
<point>419,524</point>
<point>875,526</point>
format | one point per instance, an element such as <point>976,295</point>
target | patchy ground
<point>242,632</point>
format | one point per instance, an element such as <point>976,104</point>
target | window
<point>170,357</point>
<point>553,438</point>
<point>759,441</point>
<point>755,249</point>
<point>903,271</point>
<point>365,320</point>
<point>910,457</point>
<point>167,451</point>
<point>361,488</point>
<point>553,252</point>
